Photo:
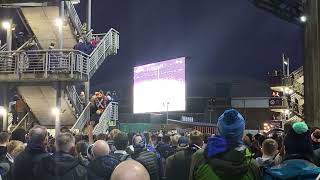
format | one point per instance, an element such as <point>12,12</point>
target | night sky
<point>219,38</point>
<point>231,39</point>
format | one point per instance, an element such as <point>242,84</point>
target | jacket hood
<point>294,168</point>
<point>265,162</point>
<point>59,164</point>
<point>233,161</point>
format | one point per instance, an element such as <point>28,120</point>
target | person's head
<point>166,139</point>
<point>65,142</point>
<point>269,147</point>
<point>315,136</point>
<point>19,135</point>
<point>298,140</point>
<point>231,126</point>
<point>147,135</point>
<point>196,137</point>
<point>206,137</point>
<point>175,139</point>
<point>183,141</point>
<point>288,125</point>
<point>4,138</point>
<point>139,142</point>
<point>81,148</point>
<point>250,136</point>
<point>82,93</point>
<point>113,133</point>
<point>38,135</point>
<point>51,46</point>
<point>14,148</point>
<point>154,139</point>
<point>65,129</point>
<point>81,40</point>
<point>100,148</point>
<point>121,141</point>
<point>130,169</point>
<point>101,136</point>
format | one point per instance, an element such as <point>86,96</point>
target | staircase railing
<point>299,88</point>
<point>298,73</point>
<point>74,98</point>
<point>108,45</point>
<point>83,118</point>
<point>110,114</point>
<point>23,122</point>
<point>73,15</point>
<point>3,47</point>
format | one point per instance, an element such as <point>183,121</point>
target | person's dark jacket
<point>102,167</point>
<point>111,146</point>
<point>3,150</point>
<point>165,150</point>
<point>148,160</point>
<point>178,165</point>
<point>60,166</point>
<point>24,163</point>
<point>5,168</point>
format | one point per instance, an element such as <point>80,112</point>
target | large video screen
<point>159,87</point>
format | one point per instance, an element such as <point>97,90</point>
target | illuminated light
<point>285,62</point>
<point>287,111</point>
<point>265,124</point>
<point>75,1</point>
<point>6,25</point>
<point>303,18</point>
<point>3,111</point>
<point>59,22</point>
<point>55,111</point>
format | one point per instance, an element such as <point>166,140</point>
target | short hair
<point>38,134</point>
<point>19,135</point>
<point>81,147</point>
<point>64,142</point>
<point>101,136</point>
<point>4,137</point>
<point>15,147</point>
<point>65,129</point>
<point>196,137</point>
<point>269,147</point>
<point>174,139</point>
<point>166,139</point>
<point>121,141</point>
<point>113,133</point>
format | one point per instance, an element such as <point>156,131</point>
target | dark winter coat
<point>149,160</point>
<point>101,168</point>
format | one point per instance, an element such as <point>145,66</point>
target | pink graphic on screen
<point>159,86</point>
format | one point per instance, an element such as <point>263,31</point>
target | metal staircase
<point>297,85</point>
<point>108,118</point>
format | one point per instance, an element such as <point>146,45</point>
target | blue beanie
<point>231,125</point>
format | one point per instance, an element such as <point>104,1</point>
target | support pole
<point>87,91</point>
<point>9,36</point>
<point>61,16</point>
<point>89,13</point>
<point>58,106</point>
<point>6,106</point>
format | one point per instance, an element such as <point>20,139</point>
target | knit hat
<point>315,136</point>
<point>183,141</point>
<point>231,126</point>
<point>298,140</point>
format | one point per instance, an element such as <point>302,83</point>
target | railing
<point>83,118</point>
<point>297,87</point>
<point>110,114</point>
<point>108,45</point>
<point>74,98</point>
<point>278,102</point>
<point>298,73</point>
<point>73,15</point>
<point>3,47</point>
<point>44,61</point>
<point>24,122</point>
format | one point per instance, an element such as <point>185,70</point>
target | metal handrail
<point>83,118</point>
<point>22,121</point>
<point>23,46</point>
<point>297,87</point>
<point>74,16</point>
<point>298,73</point>
<point>3,47</point>
<point>109,114</point>
<point>74,98</point>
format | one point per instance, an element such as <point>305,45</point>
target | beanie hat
<point>231,126</point>
<point>315,136</point>
<point>298,140</point>
<point>183,141</point>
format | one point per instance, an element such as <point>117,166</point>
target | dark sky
<point>219,38</point>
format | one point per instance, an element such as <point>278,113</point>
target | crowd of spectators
<point>162,155</point>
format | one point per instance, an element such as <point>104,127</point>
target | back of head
<point>269,147</point>
<point>121,141</point>
<point>65,142</point>
<point>113,133</point>
<point>100,148</point>
<point>130,169</point>
<point>298,140</point>
<point>231,126</point>
<point>37,135</point>
<point>81,148</point>
<point>14,148</point>
<point>139,141</point>
<point>19,135</point>
<point>175,139</point>
<point>166,139</point>
<point>196,137</point>
<point>101,136</point>
<point>4,138</point>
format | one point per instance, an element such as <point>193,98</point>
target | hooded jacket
<point>148,160</point>
<point>293,169</point>
<point>60,166</point>
<point>102,167</point>
<point>217,162</point>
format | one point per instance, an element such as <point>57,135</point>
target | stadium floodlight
<point>55,111</point>
<point>59,22</point>
<point>6,24</point>
<point>303,18</point>
<point>3,111</point>
<point>75,1</point>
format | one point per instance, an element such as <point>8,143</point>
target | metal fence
<point>110,115</point>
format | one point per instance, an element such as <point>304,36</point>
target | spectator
<point>4,140</point>
<point>51,46</point>
<point>19,135</point>
<point>21,109</point>
<point>256,146</point>
<point>83,101</point>
<point>6,162</point>
<point>61,165</point>
<point>121,143</point>
<point>225,156</point>
<point>80,46</point>
<point>102,165</point>
<point>174,141</point>
<point>33,153</point>
<point>178,165</point>
<point>165,149</point>
<point>315,137</point>
<point>81,152</point>
<point>146,158</point>
<point>130,169</point>
<point>112,135</point>
<point>297,163</point>
<point>269,152</point>
<point>95,41</point>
